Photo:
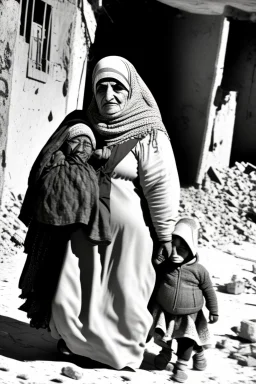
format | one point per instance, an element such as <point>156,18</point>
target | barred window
<point>36,29</point>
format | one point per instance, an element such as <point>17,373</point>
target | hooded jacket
<point>183,288</point>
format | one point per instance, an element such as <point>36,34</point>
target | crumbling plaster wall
<point>9,13</point>
<point>211,7</point>
<point>193,42</point>
<point>37,108</point>
<point>240,75</point>
<point>84,28</point>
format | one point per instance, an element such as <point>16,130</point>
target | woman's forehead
<point>109,80</point>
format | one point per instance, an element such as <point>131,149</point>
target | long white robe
<point>100,307</point>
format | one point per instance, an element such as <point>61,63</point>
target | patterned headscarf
<point>141,114</point>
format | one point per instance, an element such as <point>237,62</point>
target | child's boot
<point>162,360</point>
<point>199,361</point>
<point>179,372</point>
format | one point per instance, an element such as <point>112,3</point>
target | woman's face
<point>111,97</point>
<point>180,250</point>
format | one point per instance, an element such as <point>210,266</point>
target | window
<point>36,28</point>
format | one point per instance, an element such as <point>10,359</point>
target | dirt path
<point>29,356</point>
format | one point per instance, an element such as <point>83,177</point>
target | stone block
<point>248,350</point>
<point>231,191</point>
<point>17,239</point>
<point>250,168</point>
<point>251,361</point>
<point>247,362</point>
<point>236,356</point>
<point>240,166</point>
<point>232,202</point>
<point>248,330</point>
<point>239,227</point>
<point>72,372</point>
<point>228,344</point>
<point>236,287</point>
<point>215,175</point>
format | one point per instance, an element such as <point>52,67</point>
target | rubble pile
<point>225,206</point>
<point>12,230</point>
<point>244,353</point>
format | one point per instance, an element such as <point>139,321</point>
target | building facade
<point>43,61</point>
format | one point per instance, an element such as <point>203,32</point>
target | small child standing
<point>182,285</point>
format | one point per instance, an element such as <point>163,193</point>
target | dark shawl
<point>68,193</point>
<point>46,244</point>
<point>52,146</point>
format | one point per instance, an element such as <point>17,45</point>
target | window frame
<point>36,70</point>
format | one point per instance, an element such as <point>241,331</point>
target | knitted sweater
<point>184,287</point>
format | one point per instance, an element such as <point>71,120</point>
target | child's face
<point>81,145</point>
<point>180,250</point>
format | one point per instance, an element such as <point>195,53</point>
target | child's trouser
<point>184,352</point>
<point>185,348</point>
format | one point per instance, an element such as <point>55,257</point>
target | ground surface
<point>226,212</point>
<point>29,356</point>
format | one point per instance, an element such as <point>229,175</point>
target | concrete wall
<point>37,108</point>
<point>175,53</point>
<point>240,76</point>
<point>192,46</point>
<point>9,13</point>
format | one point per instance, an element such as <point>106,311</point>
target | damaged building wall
<point>240,76</point>
<point>84,29</point>
<point>42,97</point>
<point>175,53</point>
<point>9,13</point>
<point>193,43</point>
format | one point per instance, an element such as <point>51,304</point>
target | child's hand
<point>213,318</point>
<point>58,159</point>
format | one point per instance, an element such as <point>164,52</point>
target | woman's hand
<point>103,153</point>
<point>213,318</point>
<point>163,253</point>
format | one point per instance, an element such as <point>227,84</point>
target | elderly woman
<point>101,304</point>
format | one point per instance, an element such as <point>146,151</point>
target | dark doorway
<point>133,29</point>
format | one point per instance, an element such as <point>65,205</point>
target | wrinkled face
<point>111,97</point>
<point>180,250</point>
<point>81,145</point>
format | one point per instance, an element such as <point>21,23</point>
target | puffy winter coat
<point>183,288</point>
